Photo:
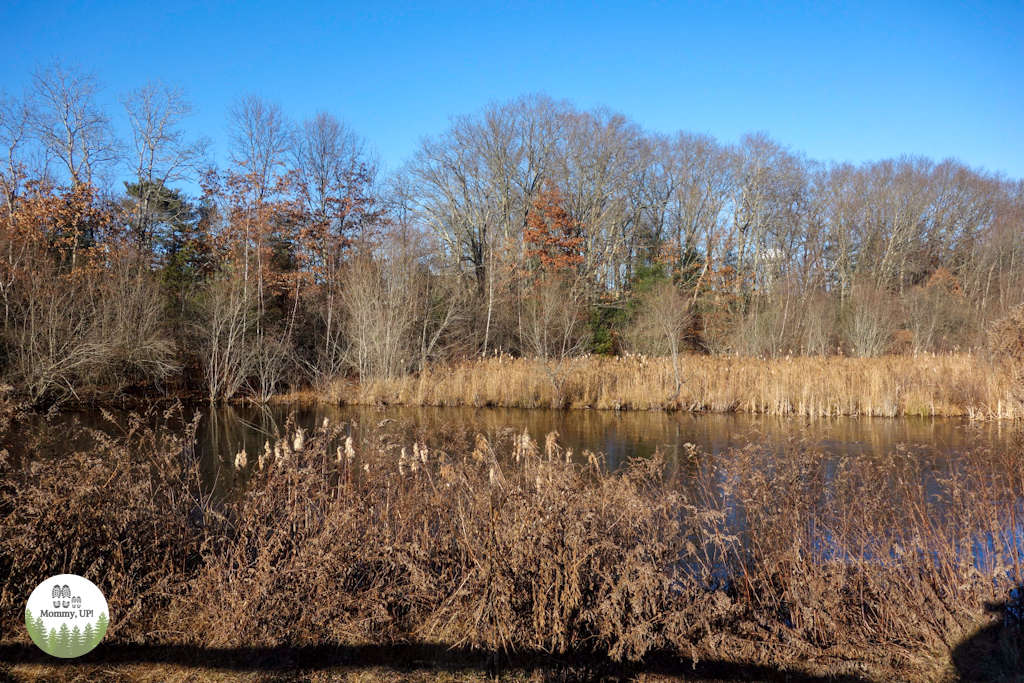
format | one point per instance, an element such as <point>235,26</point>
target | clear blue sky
<point>855,82</point>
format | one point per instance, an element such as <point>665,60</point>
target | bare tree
<point>662,324</point>
<point>336,173</point>
<point>260,139</point>
<point>223,337</point>
<point>70,124</point>
<point>161,152</point>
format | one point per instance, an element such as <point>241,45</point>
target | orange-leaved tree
<point>553,320</point>
<point>552,238</point>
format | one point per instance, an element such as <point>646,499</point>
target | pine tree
<point>77,647</point>
<point>64,641</point>
<point>52,642</point>
<point>101,627</point>
<point>88,637</point>
<point>43,641</point>
<point>32,626</point>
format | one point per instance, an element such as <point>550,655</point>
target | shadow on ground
<point>996,652</point>
<point>402,658</point>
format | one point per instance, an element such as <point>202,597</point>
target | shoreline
<point>964,385</point>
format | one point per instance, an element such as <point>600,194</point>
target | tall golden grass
<point>961,385</point>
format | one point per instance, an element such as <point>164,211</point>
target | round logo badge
<point>66,616</point>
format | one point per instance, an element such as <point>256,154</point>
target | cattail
<point>401,462</point>
<point>350,451</point>
<point>423,454</point>
<point>551,445</point>
<point>339,456</point>
<point>265,455</point>
<point>327,423</point>
<point>481,447</point>
<point>491,477</point>
<point>241,460</point>
<point>300,439</point>
<point>278,451</point>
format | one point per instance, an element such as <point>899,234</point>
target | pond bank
<point>777,560</point>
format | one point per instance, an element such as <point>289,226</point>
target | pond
<point>619,435</point>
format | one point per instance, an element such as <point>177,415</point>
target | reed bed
<point>495,542</point>
<point>961,385</point>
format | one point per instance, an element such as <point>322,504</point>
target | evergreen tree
<point>43,642</point>
<point>64,641</point>
<point>52,642</point>
<point>32,626</point>
<point>77,644</point>
<point>88,637</point>
<point>101,627</point>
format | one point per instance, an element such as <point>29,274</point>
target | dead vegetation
<point>781,558</point>
<point>957,385</point>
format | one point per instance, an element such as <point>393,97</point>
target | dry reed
<point>784,558</point>
<point>961,385</point>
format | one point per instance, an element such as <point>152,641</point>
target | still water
<point>225,431</point>
<point>619,436</point>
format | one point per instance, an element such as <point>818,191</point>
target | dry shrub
<point>122,512</point>
<point>765,555</point>
<point>848,566</point>
<point>1006,341</point>
<point>870,320</point>
<point>496,547</point>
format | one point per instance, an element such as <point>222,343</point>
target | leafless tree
<point>222,335</point>
<point>336,173</point>
<point>661,325</point>
<point>70,124</point>
<point>161,153</point>
<point>260,139</point>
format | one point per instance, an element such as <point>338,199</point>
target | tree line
<point>531,227</point>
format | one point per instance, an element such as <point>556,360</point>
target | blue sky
<point>851,82</point>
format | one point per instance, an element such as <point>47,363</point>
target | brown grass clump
<point>1006,340</point>
<point>494,542</point>
<point>817,386</point>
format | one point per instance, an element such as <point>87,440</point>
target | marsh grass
<point>961,385</point>
<point>496,542</point>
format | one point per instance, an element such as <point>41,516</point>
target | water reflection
<point>620,435</point>
<point>225,431</point>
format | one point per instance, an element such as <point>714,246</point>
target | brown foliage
<point>552,235</point>
<point>1006,341</point>
<point>758,555</point>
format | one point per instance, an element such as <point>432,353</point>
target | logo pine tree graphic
<point>101,627</point>
<point>66,642</point>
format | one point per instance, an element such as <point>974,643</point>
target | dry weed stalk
<point>781,557</point>
<point>923,385</point>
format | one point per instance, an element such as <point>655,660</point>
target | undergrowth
<point>786,558</point>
